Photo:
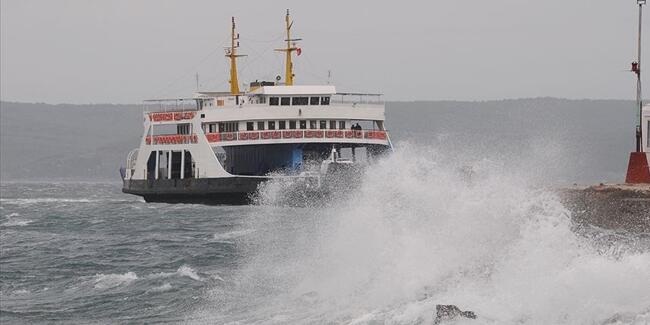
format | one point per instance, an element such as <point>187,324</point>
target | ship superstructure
<point>219,146</point>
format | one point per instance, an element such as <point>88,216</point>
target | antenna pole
<point>231,52</point>
<point>197,81</point>
<point>291,47</point>
<point>637,70</point>
<point>289,64</point>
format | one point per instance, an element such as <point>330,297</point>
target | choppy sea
<point>413,235</point>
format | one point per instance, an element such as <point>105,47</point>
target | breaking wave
<point>14,220</point>
<point>183,271</point>
<point>107,281</point>
<point>421,230</point>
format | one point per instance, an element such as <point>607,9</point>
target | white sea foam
<point>107,281</point>
<point>17,223</point>
<point>417,234</point>
<point>162,288</point>
<point>28,201</point>
<point>231,235</point>
<point>184,270</point>
<point>188,272</point>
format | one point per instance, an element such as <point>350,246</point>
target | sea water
<point>416,232</point>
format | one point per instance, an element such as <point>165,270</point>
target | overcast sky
<point>123,51</point>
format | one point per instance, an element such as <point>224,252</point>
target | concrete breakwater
<point>610,206</point>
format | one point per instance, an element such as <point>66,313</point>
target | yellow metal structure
<point>291,47</point>
<point>231,52</point>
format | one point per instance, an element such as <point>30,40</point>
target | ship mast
<point>291,47</point>
<point>231,52</point>
<point>636,68</point>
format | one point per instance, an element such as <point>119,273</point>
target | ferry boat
<point>218,147</point>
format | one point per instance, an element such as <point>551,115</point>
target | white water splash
<point>418,233</point>
<point>189,272</point>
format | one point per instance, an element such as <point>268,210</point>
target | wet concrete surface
<point>610,206</point>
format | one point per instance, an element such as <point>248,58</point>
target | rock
<point>449,312</point>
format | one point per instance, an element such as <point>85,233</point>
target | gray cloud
<point>124,51</point>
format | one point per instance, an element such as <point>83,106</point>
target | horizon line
<point>387,101</point>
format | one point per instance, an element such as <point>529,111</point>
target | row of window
<point>299,101</point>
<point>293,124</point>
<point>222,127</point>
<point>269,125</point>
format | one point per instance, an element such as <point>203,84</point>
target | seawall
<point>610,206</point>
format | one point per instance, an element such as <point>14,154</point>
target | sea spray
<point>418,232</point>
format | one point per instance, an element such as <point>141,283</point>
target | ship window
<point>313,101</point>
<point>332,125</point>
<point>282,125</point>
<point>285,101</point>
<point>299,100</point>
<point>229,127</point>
<point>323,124</point>
<point>261,100</point>
<point>324,100</point>
<point>342,125</point>
<point>212,127</point>
<point>260,125</point>
<point>303,124</point>
<point>292,125</point>
<point>312,124</point>
<point>274,101</point>
<point>250,126</point>
<point>271,125</point>
<point>183,128</point>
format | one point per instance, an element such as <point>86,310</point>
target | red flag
<point>299,51</point>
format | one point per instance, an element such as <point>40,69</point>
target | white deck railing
<point>170,105</point>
